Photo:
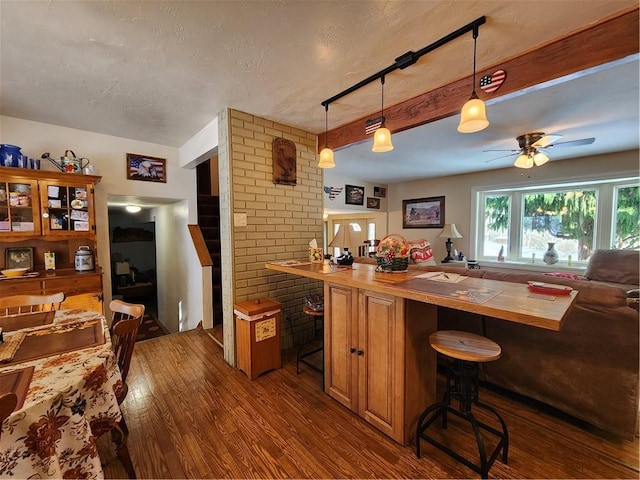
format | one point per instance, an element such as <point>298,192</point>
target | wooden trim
<point>200,245</point>
<point>609,40</point>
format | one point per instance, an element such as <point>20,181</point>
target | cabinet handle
<point>360,353</point>
<point>352,350</point>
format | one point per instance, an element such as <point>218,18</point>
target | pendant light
<point>382,136</point>
<point>473,117</point>
<point>326,155</point>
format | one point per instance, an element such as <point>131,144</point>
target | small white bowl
<point>14,272</point>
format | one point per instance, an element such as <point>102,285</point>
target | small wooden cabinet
<point>50,211</point>
<point>377,357</point>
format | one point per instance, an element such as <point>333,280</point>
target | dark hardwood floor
<point>193,416</point>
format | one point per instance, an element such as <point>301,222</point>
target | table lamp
<point>449,231</point>
<point>344,238</point>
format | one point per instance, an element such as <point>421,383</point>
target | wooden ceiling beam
<point>609,40</point>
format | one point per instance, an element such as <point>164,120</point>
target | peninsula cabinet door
<point>340,342</point>
<point>381,377</point>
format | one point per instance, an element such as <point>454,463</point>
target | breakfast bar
<point>377,360</point>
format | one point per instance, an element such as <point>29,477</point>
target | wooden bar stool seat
<point>464,352</point>
<point>303,351</point>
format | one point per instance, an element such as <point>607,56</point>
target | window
<point>520,223</point>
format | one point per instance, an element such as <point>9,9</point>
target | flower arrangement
<point>393,253</point>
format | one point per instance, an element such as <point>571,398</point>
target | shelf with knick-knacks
<point>53,213</point>
<point>36,203</point>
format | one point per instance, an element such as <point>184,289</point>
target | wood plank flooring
<point>193,416</point>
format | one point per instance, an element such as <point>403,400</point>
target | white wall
<point>177,261</point>
<point>180,290</point>
<point>457,191</point>
<point>333,178</point>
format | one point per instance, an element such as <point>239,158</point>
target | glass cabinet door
<point>19,209</point>
<point>67,208</point>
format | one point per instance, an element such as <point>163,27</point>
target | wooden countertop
<point>505,300</point>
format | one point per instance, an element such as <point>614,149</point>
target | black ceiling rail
<point>407,59</point>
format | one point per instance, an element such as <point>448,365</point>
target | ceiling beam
<point>609,40</point>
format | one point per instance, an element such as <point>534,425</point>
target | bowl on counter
<point>14,272</point>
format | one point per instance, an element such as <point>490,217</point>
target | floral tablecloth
<point>70,402</point>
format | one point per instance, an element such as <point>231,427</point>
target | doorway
<point>132,245</point>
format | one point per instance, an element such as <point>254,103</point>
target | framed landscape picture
<point>146,168</point>
<point>423,213</point>
<point>353,195</point>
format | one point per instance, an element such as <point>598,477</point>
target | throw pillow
<point>420,251</point>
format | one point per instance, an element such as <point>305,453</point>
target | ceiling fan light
<point>524,161</point>
<point>540,159</point>
<point>382,140</point>
<point>473,117</point>
<point>326,158</point>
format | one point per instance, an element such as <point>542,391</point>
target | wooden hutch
<point>44,211</point>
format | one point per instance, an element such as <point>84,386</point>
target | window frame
<point>604,224</point>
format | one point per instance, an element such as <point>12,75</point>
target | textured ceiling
<point>159,71</point>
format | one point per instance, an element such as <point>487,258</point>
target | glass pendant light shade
<point>326,158</point>
<point>540,159</point>
<point>326,155</point>
<point>524,161</point>
<point>473,117</point>
<point>382,140</point>
<point>382,136</point>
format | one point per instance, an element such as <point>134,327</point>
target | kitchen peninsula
<point>377,360</point>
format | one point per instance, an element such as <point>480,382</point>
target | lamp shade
<point>382,140</point>
<point>473,117</point>
<point>540,159</point>
<point>524,161</point>
<point>326,158</point>
<point>344,237</point>
<point>450,231</point>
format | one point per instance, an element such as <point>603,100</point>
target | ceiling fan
<point>533,148</point>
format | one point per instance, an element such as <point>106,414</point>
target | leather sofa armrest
<point>633,299</point>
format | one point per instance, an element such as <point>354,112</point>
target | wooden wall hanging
<point>284,162</point>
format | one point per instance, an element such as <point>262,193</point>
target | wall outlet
<point>239,219</point>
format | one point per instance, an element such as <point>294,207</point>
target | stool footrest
<point>485,463</point>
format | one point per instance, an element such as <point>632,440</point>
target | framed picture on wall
<point>423,213</point>
<point>380,192</point>
<point>146,168</point>
<point>353,195</point>
<point>373,202</point>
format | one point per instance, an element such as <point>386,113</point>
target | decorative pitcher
<point>551,255</point>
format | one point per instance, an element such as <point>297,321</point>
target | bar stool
<point>465,351</point>
<point>302,355</point>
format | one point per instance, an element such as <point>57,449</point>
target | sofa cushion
<point>421,252</point>
<point>617,266</point>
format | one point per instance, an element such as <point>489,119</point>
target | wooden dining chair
<point>8,402</point>
<point>126,319</point>
<point>30,303</point>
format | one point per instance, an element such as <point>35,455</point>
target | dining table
<point>66,377</point>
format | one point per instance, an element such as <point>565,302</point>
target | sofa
<point>590,368</point>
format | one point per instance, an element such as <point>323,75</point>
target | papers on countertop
<point>443,277</point>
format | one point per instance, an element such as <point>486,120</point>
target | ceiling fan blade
<point>503,150</point>
<point>546,141</point>
<point>503,156</point>
<point>573,143</point>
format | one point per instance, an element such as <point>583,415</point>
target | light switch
<point>239,219</point>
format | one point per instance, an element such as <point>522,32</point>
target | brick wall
<point>281,219</point>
